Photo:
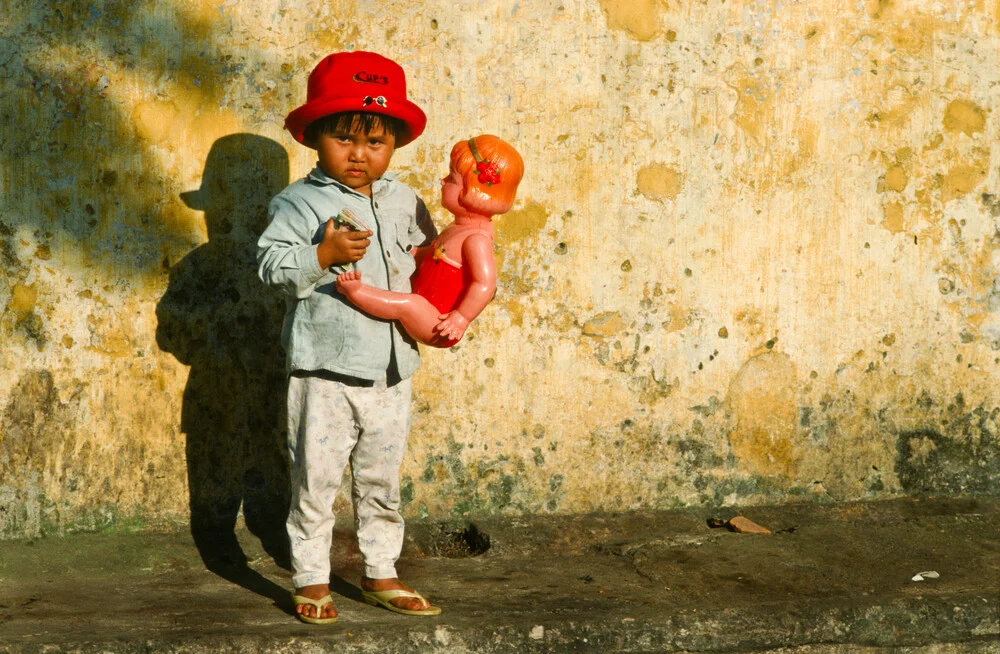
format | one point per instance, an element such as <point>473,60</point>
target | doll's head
<point>490,169</point>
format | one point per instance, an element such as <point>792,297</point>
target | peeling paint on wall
<point>964,116</point>
<point>660,181</point>
<point>762,398</point>
<point>638,18</point>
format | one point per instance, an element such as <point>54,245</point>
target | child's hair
<point>351,121</point>
<point>491,169</point>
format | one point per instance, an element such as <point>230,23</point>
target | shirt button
<point>387,255</point>
<point>376,205</point>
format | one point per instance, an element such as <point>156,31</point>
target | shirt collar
<point>318,176</point>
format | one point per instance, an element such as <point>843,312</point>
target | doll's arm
<point>477,255</point>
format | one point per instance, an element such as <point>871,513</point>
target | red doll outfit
<point>442,281</point>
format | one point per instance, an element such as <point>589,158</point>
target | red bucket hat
<point>357,81</point>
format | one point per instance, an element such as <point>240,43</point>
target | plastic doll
<point>456,275</point>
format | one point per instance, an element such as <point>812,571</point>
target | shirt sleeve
<point>286,251</point>
<point>422,230</point>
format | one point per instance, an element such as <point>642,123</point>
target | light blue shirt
<point>322,330</point>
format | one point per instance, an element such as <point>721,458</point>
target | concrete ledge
<point>830,579</point>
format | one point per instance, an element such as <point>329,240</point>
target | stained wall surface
<point>754,258</point>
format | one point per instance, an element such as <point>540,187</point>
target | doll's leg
<point>414,312</point>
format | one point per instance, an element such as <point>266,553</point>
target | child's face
<point>356,159</point>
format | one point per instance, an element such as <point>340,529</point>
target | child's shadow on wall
<point>217,317</point>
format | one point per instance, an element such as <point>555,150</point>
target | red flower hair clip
<point>489,172</point>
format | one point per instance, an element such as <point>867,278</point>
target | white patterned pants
<point>331,424</point>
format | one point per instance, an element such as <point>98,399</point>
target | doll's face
<point>451,189</point>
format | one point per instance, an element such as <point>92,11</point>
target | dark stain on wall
<point>8,258</point>
<point>483,486</point>
<point>32,424</point>
<point>964,460</point>
<point>33,444</point>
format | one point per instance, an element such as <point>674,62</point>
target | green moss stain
<point>26,512</point>
<point>748,489</point>
<point>556,492</point>
<point>963,457</point>
<point>406,491</point>
<point>484,486</point>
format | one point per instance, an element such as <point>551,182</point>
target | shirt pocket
<point>322,329</point>
<point>403,259</point>
<point>316,345</point>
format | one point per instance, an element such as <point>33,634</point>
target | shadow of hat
<point>252,165</point>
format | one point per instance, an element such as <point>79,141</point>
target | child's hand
<point>341,247</point>
<point>452,326</point>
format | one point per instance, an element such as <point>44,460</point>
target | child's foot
<point>349,282</point>
<point>315,592</point>
<point>406,603</point>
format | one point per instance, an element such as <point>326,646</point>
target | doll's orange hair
<point>482,197</point>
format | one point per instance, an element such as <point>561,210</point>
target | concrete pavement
<point>829,579</point>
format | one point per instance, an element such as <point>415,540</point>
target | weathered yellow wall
<point>753,258</point>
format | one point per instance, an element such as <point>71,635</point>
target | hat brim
<point>194,199</point>
<point>414,118</point>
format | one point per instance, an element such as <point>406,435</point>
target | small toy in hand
<point>348,221</point>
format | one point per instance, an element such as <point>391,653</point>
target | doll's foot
<point>349,282</point>
<point>415,603</point>
<point>325,611</point>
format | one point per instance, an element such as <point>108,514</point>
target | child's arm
<point>288,255</point>
<point>477,255</point>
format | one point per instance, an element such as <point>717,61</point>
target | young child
<point>457,275</point>
<point>349,384</point>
